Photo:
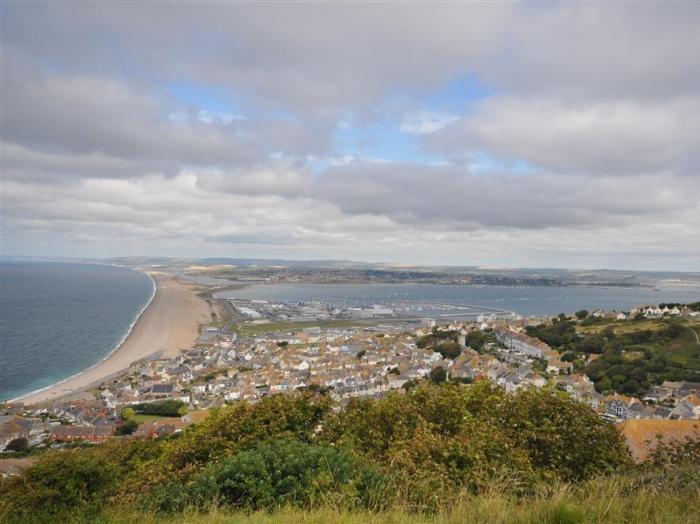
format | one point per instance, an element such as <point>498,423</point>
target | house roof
<point>641,435</point>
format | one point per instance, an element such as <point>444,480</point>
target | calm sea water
<point>57,319</point>
<point>521,299</point>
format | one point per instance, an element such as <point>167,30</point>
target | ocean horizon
<point>57,319</point>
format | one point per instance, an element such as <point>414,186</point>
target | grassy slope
<point>601,502</point>
<point>683,351</point>
<point>627,326</point>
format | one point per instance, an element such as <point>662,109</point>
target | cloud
<point>448,197</point>
<point>597,138</point>
<point>580,148</point>
<point>90,119</point>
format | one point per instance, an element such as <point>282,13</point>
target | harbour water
<point>58,319</point>
<point>524,300</point>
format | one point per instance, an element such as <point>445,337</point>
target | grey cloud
<point>86,126</point>
<point>317,59</point>
<point>597,138</point>
<point>455,198</point>
<point>584,92</point>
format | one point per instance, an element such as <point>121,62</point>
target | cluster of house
<point>648,312</point>
<point>670,400</point>
<point>14,427</point>
<point>348,362</point>
<point>522,344</point>
<point>666,311</point>
<point>85,421</point>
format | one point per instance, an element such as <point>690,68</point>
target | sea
<point>524,300</point>
<point>58,319</point>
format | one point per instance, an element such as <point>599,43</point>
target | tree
<point>581,314</point>
<point>17,445</point>
<point>449,349</point>
<point>127,413</point>
<point>127,428</point>
<point>438,375</point>
<point>361,353</point>
<point>475,339</point>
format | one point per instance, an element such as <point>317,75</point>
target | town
<point>252,360</point>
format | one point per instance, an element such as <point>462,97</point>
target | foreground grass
<point>594,502</point>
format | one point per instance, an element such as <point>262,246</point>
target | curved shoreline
<point>169,322</point>
<point>114,349</point>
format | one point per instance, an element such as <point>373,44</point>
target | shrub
<point>276,473</point>
<point>563,437</point>
<point>478,432</point>
<point>241,425</point>
<point>69,482</point>
<point>438,375</point>
<point>127,428</point>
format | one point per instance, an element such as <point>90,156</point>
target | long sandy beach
<point>168,324</point>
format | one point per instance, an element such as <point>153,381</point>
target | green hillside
<point>630,355</point>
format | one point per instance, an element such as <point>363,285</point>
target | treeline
<point>420,450</point>
<point>166,408</point>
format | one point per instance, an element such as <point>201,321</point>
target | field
<point>147,419</point>
<point>625,326</point>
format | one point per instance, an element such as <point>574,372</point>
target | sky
<point>534,134</point>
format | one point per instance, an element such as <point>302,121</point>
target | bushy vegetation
<point>630,361</point>
<point>421,450</point>
<point>273,474</point>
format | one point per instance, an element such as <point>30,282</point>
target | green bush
<point>127,428</point>
<point>232,428</point>
<point>61,484</point>
<point>470,435</point>
<point>273,474</point>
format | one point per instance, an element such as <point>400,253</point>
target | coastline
<point>114,349</point>
<point>168,322</point>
